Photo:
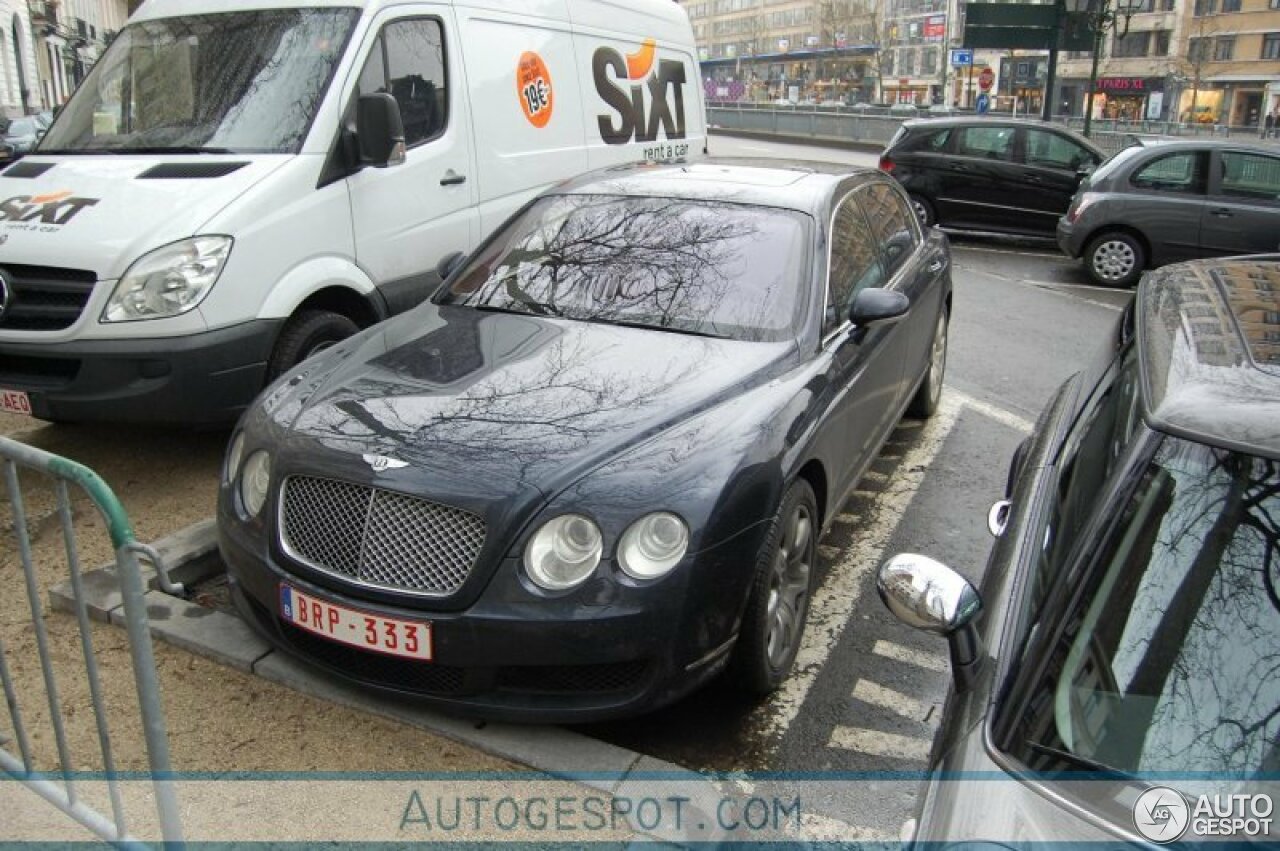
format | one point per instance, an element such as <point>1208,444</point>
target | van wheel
<point>924,211</point>
<point>305,334</point>
<point>773,624</point>
<point>925,403</point>
<point>1114,259</point>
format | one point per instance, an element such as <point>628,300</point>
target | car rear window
<point>717,269</point>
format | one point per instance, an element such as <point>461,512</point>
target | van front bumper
<point>199,379</point>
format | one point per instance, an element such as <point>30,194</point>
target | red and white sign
<point>935,28</point>
<point>392,636</point>
<point>15,402</point>
<point>986,79</point>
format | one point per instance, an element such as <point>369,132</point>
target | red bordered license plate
<point>15,402</point>
<point>392,636</point>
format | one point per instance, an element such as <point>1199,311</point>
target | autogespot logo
<point>1161,814</point>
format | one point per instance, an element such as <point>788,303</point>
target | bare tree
<point>857,22</point>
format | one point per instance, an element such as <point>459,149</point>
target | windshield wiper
<point>1074,759</point>
<point>77,151</point>
<point>649,326</point>
<point>177,149</point>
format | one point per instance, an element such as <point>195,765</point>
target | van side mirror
<point>930,596</point>
<point>379,130</point>
<point>875,306</point>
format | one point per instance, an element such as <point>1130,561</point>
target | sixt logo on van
<point>621,82</point>
<point>52,208</point>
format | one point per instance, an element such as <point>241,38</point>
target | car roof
<point>788,184</point>
<point>1209,343</point>
<point>1167,144</point>
<point>968,120</point>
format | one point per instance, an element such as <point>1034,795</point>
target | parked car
<point>1125,636</point>
<point>591,473</point>
<point>1162,202</point>
<point>23,133</point>
<point>989,174</point>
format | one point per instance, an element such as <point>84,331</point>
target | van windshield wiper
<point>60,152</point>
<point>177,149</point>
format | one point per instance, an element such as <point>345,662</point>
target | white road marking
<point>877,743</point>
<point>829,553</point>
<point>835,601</point>
<point>1000,415</point>
<point>849,519</point>
<point>1052,255</point>
<point>873,476</point>
<point>1094,287</point>
<point>894,701</point>
<point>910,656</point>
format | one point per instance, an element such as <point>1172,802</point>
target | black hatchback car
<point>1126,662</point>
<point>592,471</point>
<point>989,174</point>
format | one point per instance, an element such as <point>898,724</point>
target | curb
<point>192,555</point>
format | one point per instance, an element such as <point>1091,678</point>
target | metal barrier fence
<point>59,787</point>
<point>849,124</point>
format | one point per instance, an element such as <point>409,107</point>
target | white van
<point>239,184</point>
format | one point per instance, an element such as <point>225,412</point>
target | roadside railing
<point>60,786</point>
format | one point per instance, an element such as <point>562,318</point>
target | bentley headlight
<point>653,545</point>
<point>169,281</point>
<point>254,481</point>
<point>233,458</point>
<point>564,552</point>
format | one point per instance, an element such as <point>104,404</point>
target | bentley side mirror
<point>875,306</point>
<point>928,595</point>
<point>380,130</point>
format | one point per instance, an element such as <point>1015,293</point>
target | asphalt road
<point>868,691</point>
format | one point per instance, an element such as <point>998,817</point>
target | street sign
<point>961,58</point>
<point>1026,26</point>
<point>983,103</point>
<point>986,79</point>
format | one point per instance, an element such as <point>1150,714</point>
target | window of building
<point>1271,46</point>
<point>908,62</point>
<point>1224,48</point>
<point>1168,5</point>
<point>1198,49</point>
<point>1161,43</point>
<point>930,62</point>
<point>1133,44</point>
<point>1231,5</point>
<point>1205,7</point>
<point>1275,4</point>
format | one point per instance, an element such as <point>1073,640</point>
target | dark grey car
<point>1131,633</point>
<point>1166,201</point>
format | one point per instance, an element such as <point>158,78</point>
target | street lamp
<point>1101,15</point>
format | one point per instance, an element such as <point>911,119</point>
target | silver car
<point>1160,202</point>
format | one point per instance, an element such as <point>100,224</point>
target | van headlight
<point>255,479</point>
<point>564,552</point>
<point>169,281</point>
<point>653,545</point>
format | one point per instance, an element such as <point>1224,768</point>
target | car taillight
<point>1084,199</point>
<point>886,165</point>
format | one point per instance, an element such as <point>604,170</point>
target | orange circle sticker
<point>533,84</point>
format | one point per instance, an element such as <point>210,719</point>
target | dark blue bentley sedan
<point>592,471</point>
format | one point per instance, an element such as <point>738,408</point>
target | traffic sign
<point>961,58</point>
<point>983,103</point>
<point>986,79</point>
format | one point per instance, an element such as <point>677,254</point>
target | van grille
<point>379,538</point>
<point>44,298</point>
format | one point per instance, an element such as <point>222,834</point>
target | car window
<point>408,61</point>
<point>1253,176</point>
<point>993,143</point>
<point>894,225</point>
<point>1166,658</point>
<point>1182,172</point>
<point>714,269</point>
<point>22,127</point>
<point>930,143</point>
<point>856,261</point>
<point>1052,150</point>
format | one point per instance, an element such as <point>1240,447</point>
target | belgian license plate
<point>15,402</point>
<point>392,636</point>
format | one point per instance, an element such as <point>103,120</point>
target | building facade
<point>1211,62</point>
<point>69,36</point>
<point>19,76</point>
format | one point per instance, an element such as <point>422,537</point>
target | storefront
<point>1128,98</point>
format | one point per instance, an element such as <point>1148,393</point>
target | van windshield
<point>244,82</point>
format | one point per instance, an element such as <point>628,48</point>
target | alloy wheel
<point>789,586</point>
<point>1113,260</point>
